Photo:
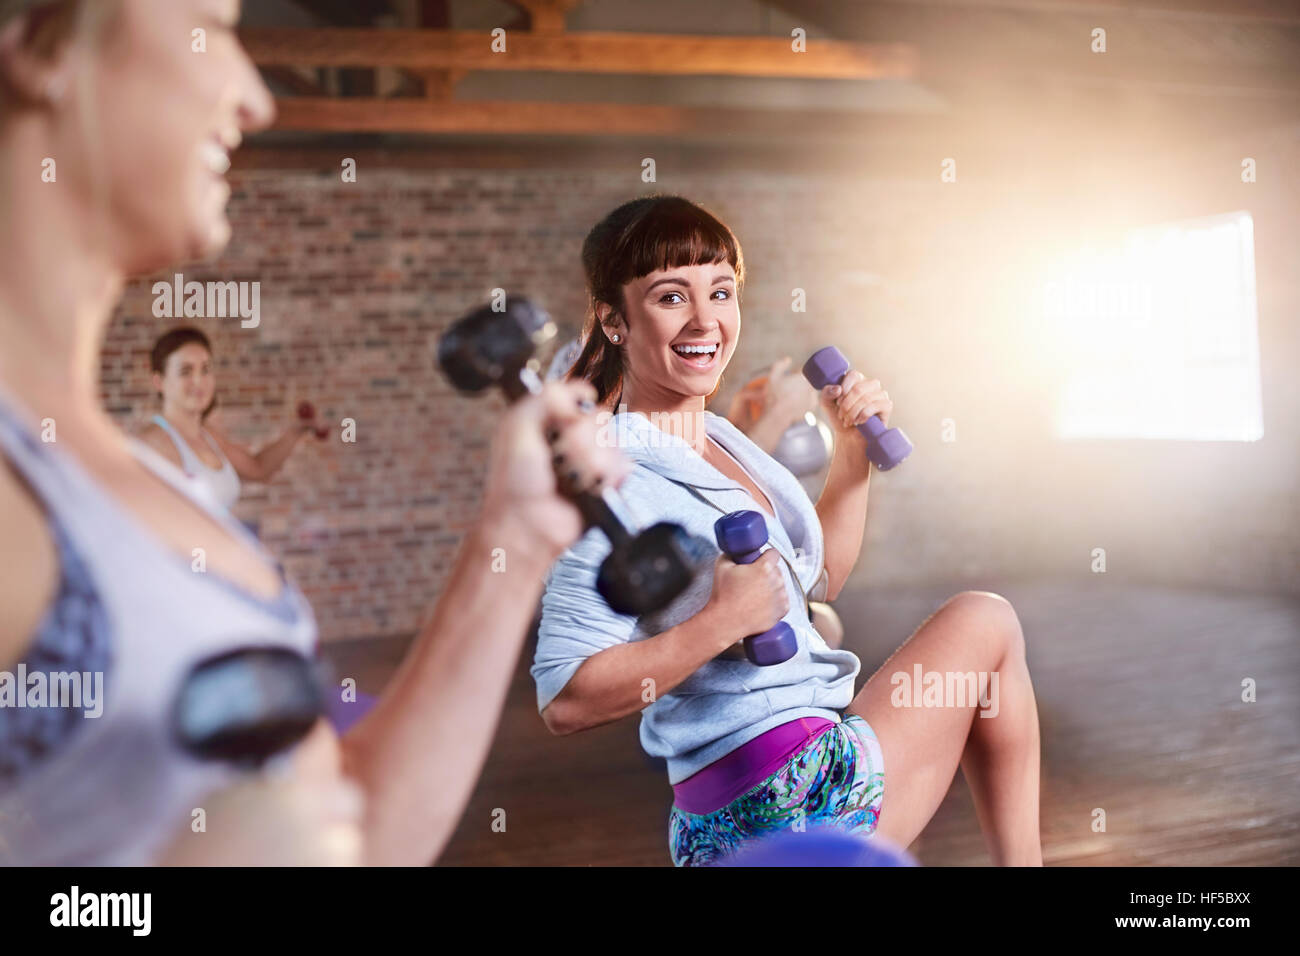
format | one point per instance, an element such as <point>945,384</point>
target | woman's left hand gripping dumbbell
<point>854,400</point>
<point>548,444</point>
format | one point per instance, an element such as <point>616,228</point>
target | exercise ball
<point>819,846</point>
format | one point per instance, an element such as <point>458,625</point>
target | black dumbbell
<point>246,705</point>
<point>489,347</point>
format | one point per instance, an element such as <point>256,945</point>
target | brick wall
<point>919,285</point>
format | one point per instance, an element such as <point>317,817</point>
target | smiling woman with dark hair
<point>752,749</point>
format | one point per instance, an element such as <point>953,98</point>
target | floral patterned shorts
<point>837,780</point>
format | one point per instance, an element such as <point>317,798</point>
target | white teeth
<point>215,157</point>
<point>695,349</point>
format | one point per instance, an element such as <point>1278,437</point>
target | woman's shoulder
<point>155,437</point>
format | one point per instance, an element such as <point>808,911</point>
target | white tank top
<point>117,789</point>
<point>221,485</point>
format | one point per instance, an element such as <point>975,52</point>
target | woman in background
<point>184,434</point>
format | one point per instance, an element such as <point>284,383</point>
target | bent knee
<point>994,614</point>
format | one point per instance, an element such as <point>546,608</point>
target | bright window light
<point>1162,336</point>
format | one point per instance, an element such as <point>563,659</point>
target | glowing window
<point>1162,336</point>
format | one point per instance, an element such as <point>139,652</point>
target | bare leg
<point>973,631</point>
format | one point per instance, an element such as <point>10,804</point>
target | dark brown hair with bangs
<point>640,237</point>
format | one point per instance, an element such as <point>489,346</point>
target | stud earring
<point>614,338</point>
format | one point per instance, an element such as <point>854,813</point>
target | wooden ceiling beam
<point>1279,12</point>
<point>416,115</point>
<point>910,144</point>
<point>295,81</point>
<point>635,53</point>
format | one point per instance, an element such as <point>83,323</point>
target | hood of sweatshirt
<point>797,531</point>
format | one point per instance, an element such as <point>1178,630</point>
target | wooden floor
<point>1139,695</point>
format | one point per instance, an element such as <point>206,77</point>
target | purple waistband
<point>747,766</point>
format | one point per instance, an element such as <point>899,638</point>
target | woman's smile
<point>700,356</point>
<point>215,157</point>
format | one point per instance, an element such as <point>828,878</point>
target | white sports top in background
<point>221,485</point>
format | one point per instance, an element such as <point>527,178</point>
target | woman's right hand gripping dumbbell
<point>747,599</point>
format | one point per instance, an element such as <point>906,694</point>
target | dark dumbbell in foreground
<point>741,536</point>
<point>247,705</point>
<point>886,447</point>
<point>644,572</point>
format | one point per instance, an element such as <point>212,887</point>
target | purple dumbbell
<point>886,447</point>
<point>741,536</point>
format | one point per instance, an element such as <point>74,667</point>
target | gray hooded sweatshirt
<point>726,702</point>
